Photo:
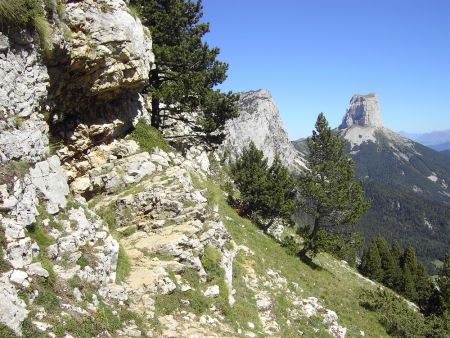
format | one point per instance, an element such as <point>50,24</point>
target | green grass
<point>108,215</point>
<point>336,287</point>
<point>148,138</point>
<point>210,261</point>
<point>48,299</point>
<point>29,14</point>
<point>128,231</point>
<point>6,332</point>
<point>4,265</point>
<point>123,266</point>
<point>45,31</point>
<point>134,11</point>
<point>19,12</point>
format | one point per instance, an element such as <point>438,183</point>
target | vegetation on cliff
<point>187,69</point>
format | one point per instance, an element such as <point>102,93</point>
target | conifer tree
<point>364,257</point>
<point>186,69</point>
<point>373,268</point>
<point>424,289</point>
<point>408,285</point>
<point>409,260</point>
<point>328,190</point>
<point>249,172</point>
<point>396,253</point>
<point>281,199</point>
<point>443,283</point>
<point>387,262</point>
<point>266,192</point>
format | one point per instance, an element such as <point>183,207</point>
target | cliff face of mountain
<point>364,110</point>
<point>260,122</point>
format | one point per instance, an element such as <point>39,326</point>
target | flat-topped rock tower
<point>364,110</point>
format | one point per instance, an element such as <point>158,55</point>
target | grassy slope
<point>336,286</point>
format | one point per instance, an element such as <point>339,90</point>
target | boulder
<point>51,181</point>
<point>12,309</point>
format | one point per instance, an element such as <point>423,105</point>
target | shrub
<point>291,245</point>
<point>398,318</point>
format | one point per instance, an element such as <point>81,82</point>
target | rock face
<point>364,111</point>
<point>12,308</point>
<point>260,122</point>
<point>110,51</point>
<point>23,89</point>
<point>97,74</point>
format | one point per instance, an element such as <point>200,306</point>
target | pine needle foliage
<point>328,189</point>
<point>266,192</point>
<point>186,68</point>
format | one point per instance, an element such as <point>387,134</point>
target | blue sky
<point>313,55</point>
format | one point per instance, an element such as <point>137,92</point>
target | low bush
<point>400,319</point>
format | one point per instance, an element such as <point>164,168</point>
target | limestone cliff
<point>364,110</point>
<point>260,122</point>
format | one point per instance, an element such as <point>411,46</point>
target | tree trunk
<point>268,225</point>
<point>156,112</point>
<point>312,238</point>
<point>156,118</point>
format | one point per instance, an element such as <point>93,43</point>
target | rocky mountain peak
<point>364,110</point>
<point>260,121</point>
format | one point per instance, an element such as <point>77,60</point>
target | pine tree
<point>373,268</point>
<point>424,289</point>
<point>329,193</point>
<point>364,258</point>
<point>387,262</point>
<point>396,253</point>
<point>186,69</point>
<point>281,201</point>
<point>443,283</point>
<point>408,285</point>
<point>249,173</point>
<point>267,193</point>
<point>409,260</point>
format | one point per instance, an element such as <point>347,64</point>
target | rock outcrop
<point>23,91</point>
<point>363,111</point>
<point>101,63</point>
<point>260,122</point>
